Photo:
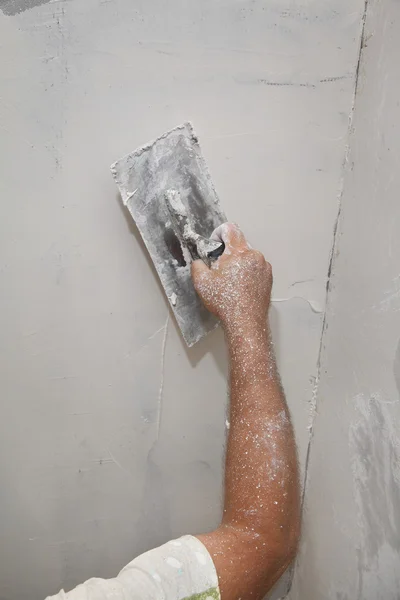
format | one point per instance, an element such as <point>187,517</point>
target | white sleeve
<point>179,570</point>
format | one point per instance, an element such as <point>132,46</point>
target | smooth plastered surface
<point>351,533</point>
<point>112,431</point>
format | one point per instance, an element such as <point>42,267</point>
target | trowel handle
<point>214,254</point>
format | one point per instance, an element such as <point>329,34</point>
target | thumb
<point>231,235</point>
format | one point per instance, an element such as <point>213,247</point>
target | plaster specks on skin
<point>228,288</point>
<point>276,464</point>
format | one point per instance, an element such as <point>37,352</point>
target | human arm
<point>258,536</point>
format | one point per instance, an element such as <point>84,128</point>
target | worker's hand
<point>237,287</point>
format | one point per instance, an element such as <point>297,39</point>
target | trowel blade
<point>173,161</point>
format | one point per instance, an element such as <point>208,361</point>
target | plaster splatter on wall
<point>375,464</point>
<point>13,7</point>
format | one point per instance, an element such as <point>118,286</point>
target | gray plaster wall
<point>112,432</point>
<point>351,532</point>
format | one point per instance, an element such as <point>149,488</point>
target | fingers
<point>231,235</point>
<point>233,238</point>
<point>199,270</point>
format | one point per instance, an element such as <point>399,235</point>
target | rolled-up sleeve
<point>179,570</point>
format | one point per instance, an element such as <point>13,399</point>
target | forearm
<point>260,527</point>
<point>261,478</point>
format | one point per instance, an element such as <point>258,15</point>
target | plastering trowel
<point>168,190</point>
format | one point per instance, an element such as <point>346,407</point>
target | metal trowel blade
<point>173,161</point>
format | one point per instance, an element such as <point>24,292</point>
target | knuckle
<point>258,257</point>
